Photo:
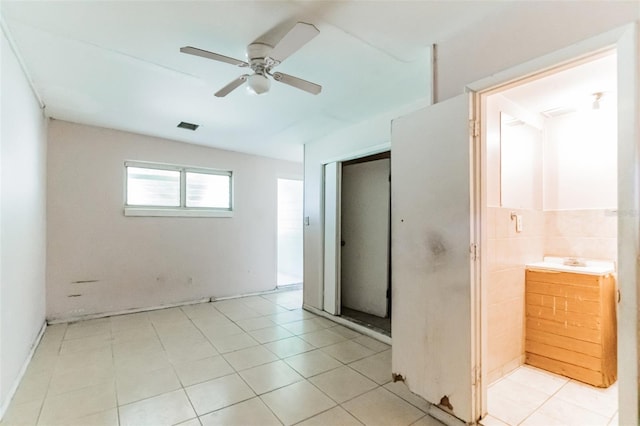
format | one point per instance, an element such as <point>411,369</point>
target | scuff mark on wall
<point>84,281</point>
<point>436,249</point>
<point>74,295</point>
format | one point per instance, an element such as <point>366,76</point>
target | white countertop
<point>592,267</point>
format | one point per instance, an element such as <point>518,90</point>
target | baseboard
<point>124,312</point>
<point>23,370</point>
<point>61,320</point>
<point>353,326</point>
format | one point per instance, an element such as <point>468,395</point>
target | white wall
<point>22,222</point>
<point>142,262</point>
<point>523,32</point>
<point>580,161</point>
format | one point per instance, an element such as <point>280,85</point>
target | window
<point>170,190</point>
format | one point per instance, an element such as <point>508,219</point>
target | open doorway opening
<point>365,293</point>
<point>290,239</point>
<point>550,180</point>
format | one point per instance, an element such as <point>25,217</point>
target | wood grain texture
<point>571,325</point>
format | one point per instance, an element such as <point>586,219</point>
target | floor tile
<point>104,418</point>
<point>297,402</point>
<point>513,402</point>
<point>140,362</point>
<point>25,414</point>
<point>311,363</point>
<point>304,326</point>
<point>270,334</point>
<point>373,344</point>
<point>133,334</point>
<point>202,370</point>
<point>381,407</point>
<point>248,413</point>
<point>166,409</point>
<point>337,416</point>
<point>250,357</point>
<point>101,357</point>
<point>401,389</point>
<point>532,377</point>
<point>218,393</point>
<point>78,403</point>
<point>571,414</point>
<point>190,422</point>
<point>233,343</point>
<point>427,421</point>
<point>492,421</point>
<point>134,387</point>
<point>322,338</point>
<point>601,401</point>
<point>82,329</point>
<point>79,378</point>
<point>343,384</point>
<point>287,347</point>
<point>268,377</point>
<point>291,316</point>
<point>182,353</point>
<point>345,332</point>
<point>169,315</point>
<point>376,367</point>
<point>251,324</point>
<point>124,322</point>
<point>348,351</point>
<point>32,389</point>
<point>86,343</point>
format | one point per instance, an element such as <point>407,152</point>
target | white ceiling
<point>570,89</point>
<point>117,64</point>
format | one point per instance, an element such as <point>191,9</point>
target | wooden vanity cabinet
<point>571,325</point>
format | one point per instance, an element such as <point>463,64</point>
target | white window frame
<point>182,210</point>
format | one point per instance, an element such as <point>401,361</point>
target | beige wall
<point>508,252</point>
<point>141,262</point>
<point>590,234</point>
<point>22,222</point>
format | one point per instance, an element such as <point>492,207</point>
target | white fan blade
<point>231,86</point>
<point>298,83</point>
<point>210,55</point>
<point>297,37</point>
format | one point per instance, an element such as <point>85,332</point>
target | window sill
<point>162,212</point>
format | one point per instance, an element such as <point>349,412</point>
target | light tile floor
<point>532,397</point>
<point>257,360</point>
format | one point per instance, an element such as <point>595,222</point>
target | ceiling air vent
<point>188,126</point>
<point>556,112</point>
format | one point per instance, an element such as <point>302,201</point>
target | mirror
<point>520,164</point>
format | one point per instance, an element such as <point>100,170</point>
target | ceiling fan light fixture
<point>258,84</point>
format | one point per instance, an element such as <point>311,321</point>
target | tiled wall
<point>581,233</point>
<point>577,233</point>
<point>508,252</point>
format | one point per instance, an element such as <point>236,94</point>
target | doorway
<point>365,241</point>
<point>290,239</point>
<point>550,195</point>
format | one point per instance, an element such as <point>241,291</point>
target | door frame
<point>625,40</point>
<point>331,195</point>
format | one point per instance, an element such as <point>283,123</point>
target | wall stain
<point>84,281</point>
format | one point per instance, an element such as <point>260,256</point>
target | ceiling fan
<point>262,58</point>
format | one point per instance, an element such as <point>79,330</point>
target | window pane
<point>205,190</point>
<point>152,187</point>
